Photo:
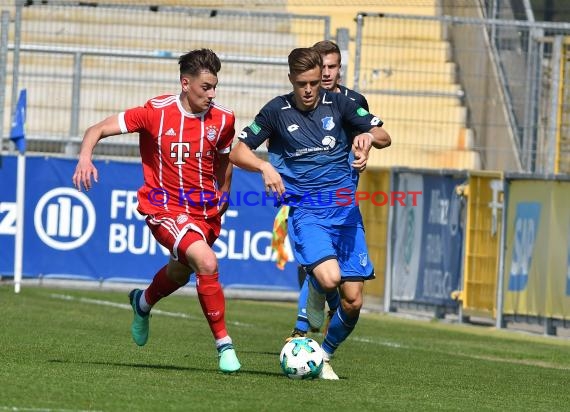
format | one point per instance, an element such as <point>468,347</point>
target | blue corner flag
<point>18,130</point>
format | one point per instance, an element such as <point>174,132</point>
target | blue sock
<point>302,323</point>
<point>340,327</point>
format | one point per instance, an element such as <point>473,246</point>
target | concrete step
<point>402,29</point>
<point>124,18</point>
<point>417,109</point>
<point>431,135</point>
<point>422,157</point>
<point>346,13</point>
<point>410,74</point>
<point>400,53</point>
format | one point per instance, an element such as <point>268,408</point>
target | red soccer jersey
<point>179,152</point>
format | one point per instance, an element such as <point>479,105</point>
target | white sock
<point>143,304</point>
<point>223,341</point>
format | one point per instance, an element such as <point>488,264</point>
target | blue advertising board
<point>99,235</point>
<point>426,238</point>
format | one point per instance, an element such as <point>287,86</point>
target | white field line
<point>24,409</point>
<point>527,362</point>
<point>128,307</point>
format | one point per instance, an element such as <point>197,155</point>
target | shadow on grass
<point>256,352</point>
<point>165,367</point>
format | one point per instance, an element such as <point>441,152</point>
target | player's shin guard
<point>340,327</point>
<point>160,287</point>
<point>213,303</point>
<point>302,323</point>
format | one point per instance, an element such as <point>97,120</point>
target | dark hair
<point>195,61</point>
<point>325,47</point>
<point>303,59</point>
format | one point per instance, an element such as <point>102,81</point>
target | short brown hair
<point>325,47</point>
<point>303,59</point>
<point>195,61</point>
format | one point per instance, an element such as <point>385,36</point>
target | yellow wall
<point>376,226</point>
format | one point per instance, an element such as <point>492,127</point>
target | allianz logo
<point>64,218</point>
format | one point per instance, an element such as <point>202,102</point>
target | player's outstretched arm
<point>243,157</point>
<point>85,168</point>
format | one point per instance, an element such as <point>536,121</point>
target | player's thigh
<point>178,232</point>
<point>327,274</point>
<point>352,253</point>
<point>311,240</point>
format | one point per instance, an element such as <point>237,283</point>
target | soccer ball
<point>301,358</point>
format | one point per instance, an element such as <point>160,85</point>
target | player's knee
<point>352,306</point>
<point>330,283</point>
<point>207,264</point>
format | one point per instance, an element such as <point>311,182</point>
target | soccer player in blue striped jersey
<point>308,169</point>
<point>330,80</point>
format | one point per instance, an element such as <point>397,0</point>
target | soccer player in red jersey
<point>184,142</point>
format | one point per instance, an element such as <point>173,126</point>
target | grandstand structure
<point>442,99</point>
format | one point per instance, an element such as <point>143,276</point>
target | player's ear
<point>290,79</point>
<point>185,83</point>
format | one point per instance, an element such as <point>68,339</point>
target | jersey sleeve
<point>362,102</point>
<point>355,116</point>
<point>259,130</point>
<point>135,119</point>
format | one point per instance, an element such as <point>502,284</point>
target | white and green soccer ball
<point>301,358</point>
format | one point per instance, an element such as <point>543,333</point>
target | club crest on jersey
<point>363,259</point>
<point>328,123</point>
<point>211,132</point>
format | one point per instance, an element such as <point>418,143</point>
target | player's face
<point>306,87</point>
<point>198,91</point>
<point>331,71</point>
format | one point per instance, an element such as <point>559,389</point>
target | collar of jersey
<point>187,113</point>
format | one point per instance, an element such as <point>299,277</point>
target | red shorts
<point>177,231</point>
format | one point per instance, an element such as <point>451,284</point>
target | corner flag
<point>18,130</point>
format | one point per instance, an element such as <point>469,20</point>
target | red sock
<point>213,303</point>
<point>160,287</point>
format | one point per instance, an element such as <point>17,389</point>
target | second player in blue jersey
<point>308,167</point>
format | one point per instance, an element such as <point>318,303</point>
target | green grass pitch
<point>71,350</point>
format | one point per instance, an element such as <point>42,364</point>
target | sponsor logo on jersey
<point>211,132</point>
<point>170,132</point>
<point>292,128</point>
<point>329,142</point>
<point>328,123</point>
<point>255,128</point>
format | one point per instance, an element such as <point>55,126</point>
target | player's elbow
<point>234,154</point>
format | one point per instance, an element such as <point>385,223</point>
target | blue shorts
<point>337,233</point>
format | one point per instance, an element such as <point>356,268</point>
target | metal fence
<point>81,63</point>
<point>476,91</point>
<point>469,87</point>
